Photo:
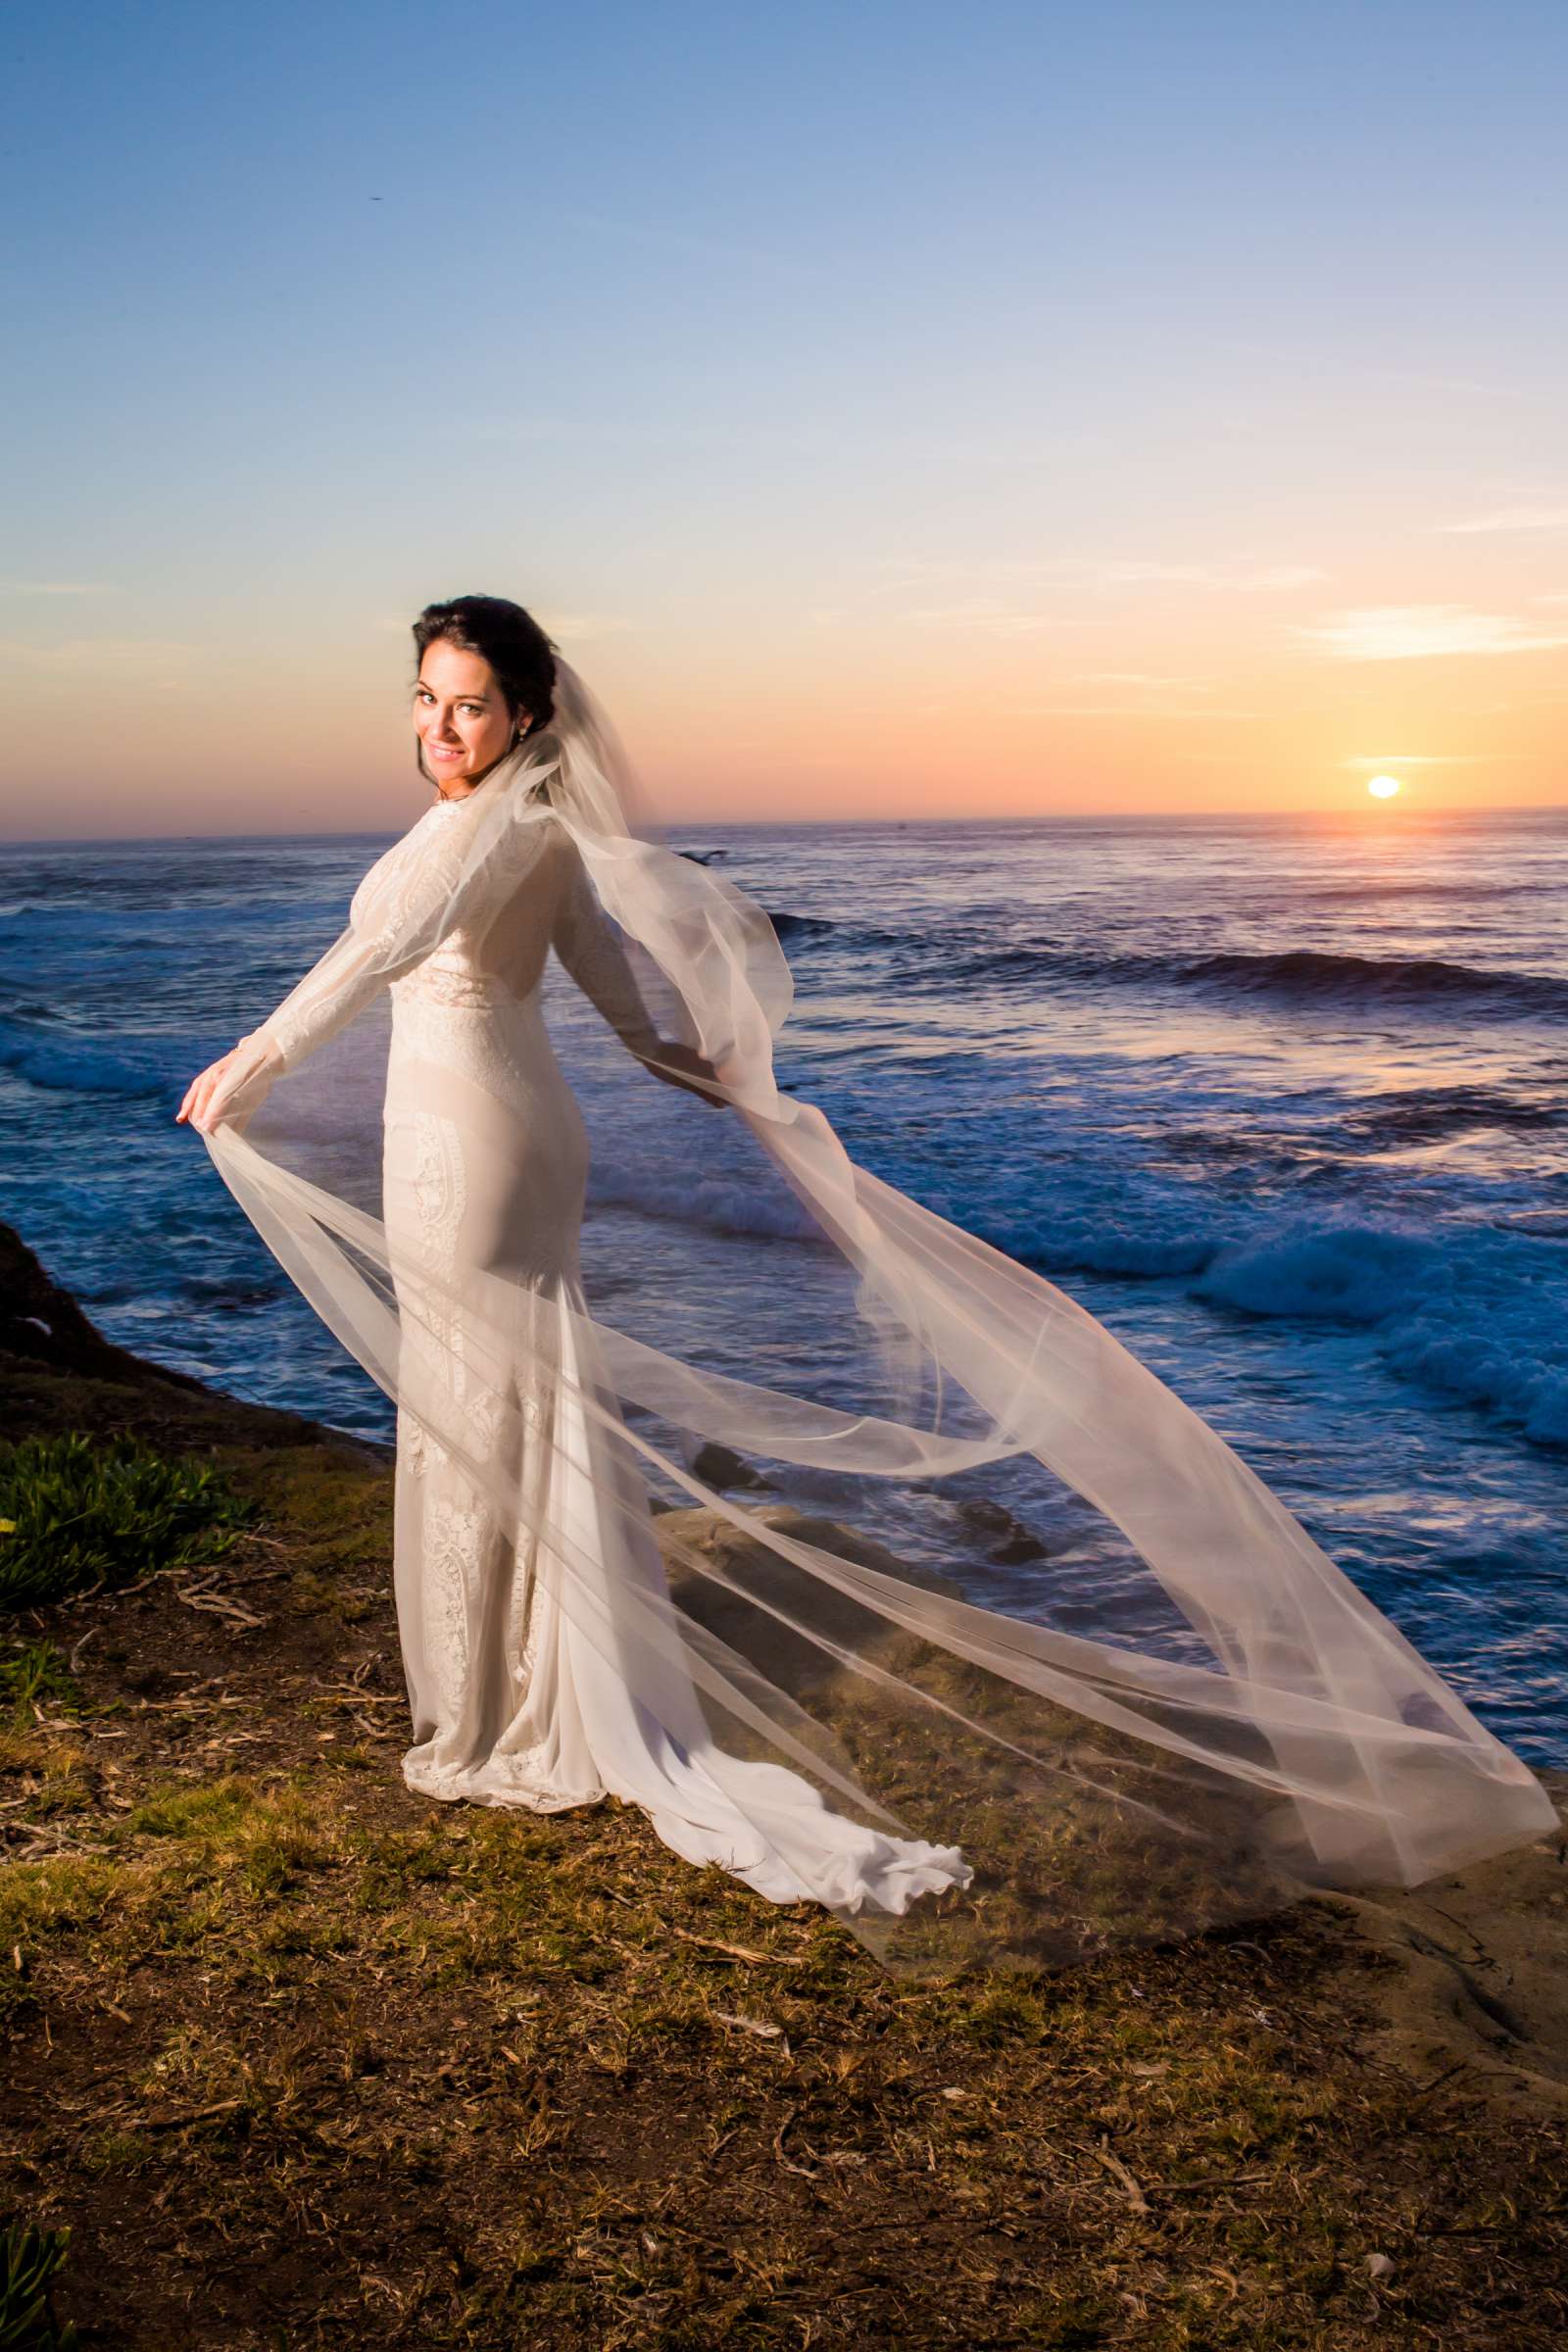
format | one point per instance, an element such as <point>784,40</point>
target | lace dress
<point>544,1658</point>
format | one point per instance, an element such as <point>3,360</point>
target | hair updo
<point>510,639</point>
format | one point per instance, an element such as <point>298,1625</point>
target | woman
<point>517,1699</point>
<point>768,1700</point>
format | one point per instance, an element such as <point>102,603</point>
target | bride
<point>818,1719</point>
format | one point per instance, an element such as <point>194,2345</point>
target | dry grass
<point>305,2060</point>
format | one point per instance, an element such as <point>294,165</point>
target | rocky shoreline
<point>300,2058</point>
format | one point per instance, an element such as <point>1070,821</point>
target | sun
<point>1383,788</point>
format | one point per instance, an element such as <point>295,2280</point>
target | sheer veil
<point>1195,1734</point>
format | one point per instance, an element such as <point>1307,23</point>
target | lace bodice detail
<point>416,926</point>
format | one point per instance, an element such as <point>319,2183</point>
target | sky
<point>892,411</point>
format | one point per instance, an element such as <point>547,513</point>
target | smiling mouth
<point>436,752</point>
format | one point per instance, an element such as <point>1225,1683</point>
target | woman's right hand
<point>680,1065</point>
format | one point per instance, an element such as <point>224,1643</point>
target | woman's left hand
<point>200,1092</point>
<point>212,1098</point>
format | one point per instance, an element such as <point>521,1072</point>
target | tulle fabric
<point>1230,1722</point>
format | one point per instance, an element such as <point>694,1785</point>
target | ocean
<point>1282,1100</point>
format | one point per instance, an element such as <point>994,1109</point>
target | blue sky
<point>887,409</point>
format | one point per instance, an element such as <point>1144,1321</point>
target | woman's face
<point>460,717</point>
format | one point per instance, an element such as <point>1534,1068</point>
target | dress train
<point>518,1700</point>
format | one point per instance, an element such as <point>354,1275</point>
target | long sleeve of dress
<point>332,994</point>
<point>410,901</point>
<point>591,951</point>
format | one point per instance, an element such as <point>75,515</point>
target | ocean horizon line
<point>1150,819</point>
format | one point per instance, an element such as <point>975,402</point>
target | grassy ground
<point>302,2059</point>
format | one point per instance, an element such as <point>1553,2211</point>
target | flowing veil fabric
<point>1220,1725</point>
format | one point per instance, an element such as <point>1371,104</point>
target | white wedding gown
<point>517,1699</point>
<point>1196,1736</point>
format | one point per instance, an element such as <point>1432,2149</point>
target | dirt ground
<point>302,2059</point>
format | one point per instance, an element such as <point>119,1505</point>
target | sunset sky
<point>892,409</point>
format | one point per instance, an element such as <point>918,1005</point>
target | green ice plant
<point>29,2259</point>
<point>76,1517</point>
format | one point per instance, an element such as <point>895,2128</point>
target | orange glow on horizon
<point>1116,715</point>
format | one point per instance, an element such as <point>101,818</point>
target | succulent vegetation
<point>77,1515</point>
<point>30,2257</point>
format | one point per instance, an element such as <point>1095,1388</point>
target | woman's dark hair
<point>510,639</point>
